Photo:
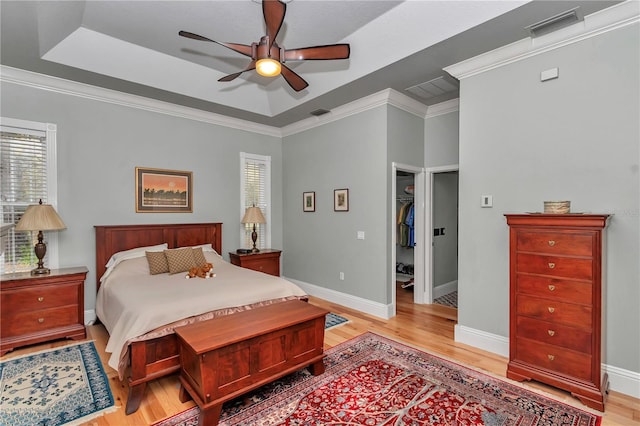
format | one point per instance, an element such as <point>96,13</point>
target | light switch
<point>360,235</point>
<point>487,201</point>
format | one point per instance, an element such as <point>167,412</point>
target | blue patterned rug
<point>334,320</point>
<point>54,387</point>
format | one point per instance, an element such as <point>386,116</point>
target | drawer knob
<point>551,357</point>
<point>551,332</point>
<point>552,287</point>
<point>551,310</point>
<point>552,265</point>
<point>552,243</point>
<point>40,320</point>
<point>40,299</point>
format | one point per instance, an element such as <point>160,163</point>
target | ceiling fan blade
<point>230,77</point>
<point>240,48</point>
<point>332,51</point>
<point>273,11</point>
<point>296,82</point>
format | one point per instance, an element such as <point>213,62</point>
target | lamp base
<point>41,271</point>
<point>255,250</point>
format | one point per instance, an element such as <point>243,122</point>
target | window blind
<point>25,157</point>
<point>255,182</point>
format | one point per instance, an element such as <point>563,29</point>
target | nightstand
<point>266,260</point>
<point>39,308</point>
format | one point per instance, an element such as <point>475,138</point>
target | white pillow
<point>130,254</point>
<point>206,247</point>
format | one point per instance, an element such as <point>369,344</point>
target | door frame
<point>419,232</point>
<point>428,255</point>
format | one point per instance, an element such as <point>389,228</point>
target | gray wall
<point>355,153</point>
<point>99,146</point>
<point>574,138</point>
<point>441,140</point>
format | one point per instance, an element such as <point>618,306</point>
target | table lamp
<point>40,217</point>
<point>253,215</point>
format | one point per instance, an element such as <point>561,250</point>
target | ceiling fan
<point>268,58</point>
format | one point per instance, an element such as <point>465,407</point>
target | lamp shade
<point>253,215</point>
<point>40,217</point>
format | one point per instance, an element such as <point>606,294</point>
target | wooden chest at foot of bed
<point>226,357</point>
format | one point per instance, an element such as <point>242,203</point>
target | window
<point>255,189</point>
<point>27,174</point>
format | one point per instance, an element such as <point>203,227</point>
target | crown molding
<point>442,108</point>
<point>87,91</point>
<point>610,19</point>
<point>383,97</point>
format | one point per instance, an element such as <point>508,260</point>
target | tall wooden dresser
<point>556,274</point>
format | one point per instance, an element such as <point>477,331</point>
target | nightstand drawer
<point>34,322</point>
<point>39,297</point>
<point>266,260</point>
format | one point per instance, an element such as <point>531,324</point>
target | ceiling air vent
<point>554,23</point>
<point>319,112</point>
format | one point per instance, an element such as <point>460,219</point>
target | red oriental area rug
<point>372,380</point>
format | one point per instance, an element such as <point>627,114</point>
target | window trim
<point>266,159</point>
<point>50,130</point>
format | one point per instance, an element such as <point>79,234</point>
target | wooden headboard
<point>112,239</point>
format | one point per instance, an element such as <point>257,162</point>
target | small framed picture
<point>341,200</point>
<point>308,201</point>
<point>163,191</point>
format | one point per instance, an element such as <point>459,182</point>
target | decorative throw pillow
<point>157,262</point>
<point>198,256</point>
<point>180,260</point>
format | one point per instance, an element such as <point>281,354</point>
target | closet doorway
<point>441,254</point>
<point>407,233</point>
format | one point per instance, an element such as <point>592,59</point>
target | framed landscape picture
<point>341,200</point>
<point>308,201</point>
<point>163,191</point>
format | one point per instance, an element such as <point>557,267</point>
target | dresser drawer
<point>39,297</point>
<point>554,288</point>
<point>268,266</point>
<point>570,314</point>
<point>34,322</point>
<point>557,266</point>
<point>555,334</point>
<point>555,243</point>
<point>554,358</point>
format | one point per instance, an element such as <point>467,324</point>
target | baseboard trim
<point>353,302</point>
<point>445,288</point>
<point>620,380</point>
<point>90,317</point>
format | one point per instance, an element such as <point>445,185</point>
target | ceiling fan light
<point>268,67</point>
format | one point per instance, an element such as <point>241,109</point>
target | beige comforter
<point>132,302</point>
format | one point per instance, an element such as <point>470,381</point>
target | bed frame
<point>151,359</point>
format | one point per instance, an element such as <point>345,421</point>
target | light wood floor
<point>429,327</point>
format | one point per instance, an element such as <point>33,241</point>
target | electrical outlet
<point>341,276</point>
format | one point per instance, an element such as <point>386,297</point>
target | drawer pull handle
<point>40,299</point>
<point>40,320</point>
<point>552,243</point>
<point>552,265</point>
<point>551,332</point>
<point>551,310</point>
<point>551,357</point>
<point>552,287</point>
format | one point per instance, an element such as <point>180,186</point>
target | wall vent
<point>555,22</point>
<point>319,111</point>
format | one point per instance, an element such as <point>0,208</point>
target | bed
<point>141,310</point>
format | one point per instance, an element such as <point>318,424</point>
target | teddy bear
<point>204,271</point>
